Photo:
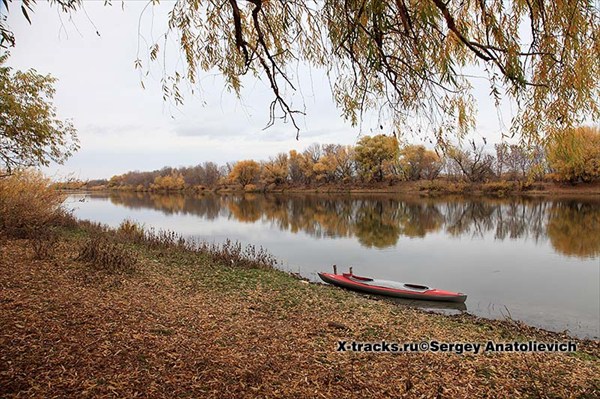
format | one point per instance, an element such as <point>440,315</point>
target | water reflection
<point>572,226</point>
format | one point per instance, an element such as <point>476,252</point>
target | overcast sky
<point>123,127</point>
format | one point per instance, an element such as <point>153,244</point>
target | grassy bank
<point>424,187</point>
<point>98,313</point>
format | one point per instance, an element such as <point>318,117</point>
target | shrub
<point>131,230</point>
<point>251,188</point>
<point>498,188</point>
<point>574,155</point>
<point>28,204</point>
<point>103,252</point>
<point>44,244</point>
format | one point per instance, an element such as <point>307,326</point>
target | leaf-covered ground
<point>181,325</point>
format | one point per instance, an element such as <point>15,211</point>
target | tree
<point>310,156</point>
<point>407,56</point>
<point>475,164</point>
<point>501,158</point>
<point>275,170</point>
<point>334,164</point>
<point>295,167</point>
<point>324,170</point>
<point>245,172</point>
<point>575,154</point>
<point>371,154</point>
<point>341,159</point>
<point>171,182</point>
<point>419,163</point>
<point>30,132</point>
<point>211,174</point>
<point>519,161</point>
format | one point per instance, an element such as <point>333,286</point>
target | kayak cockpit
<point>386,283</point>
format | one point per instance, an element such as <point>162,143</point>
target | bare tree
<point>475,164</point>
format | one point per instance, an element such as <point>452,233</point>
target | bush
<point>28,204</point>
<point>574,155</point>
<point>44,244</point>
<point>498,188</point>
<point>131,230</point>
<point>251,188</point>
<point>102,251</point>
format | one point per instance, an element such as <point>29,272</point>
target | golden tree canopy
<point>245,172</point>
<point>411,57</point>
<point>575,154</point>
<point>30,132</point>
<point>371,154</point>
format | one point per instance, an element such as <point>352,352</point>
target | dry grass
<point>186,326</point>
<point>104,252</point>
<point>228,253</point>
<point>232,253</point>
<point>28,204</point>
<point>44,243</point>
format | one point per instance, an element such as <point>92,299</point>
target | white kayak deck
<point>391,284</point>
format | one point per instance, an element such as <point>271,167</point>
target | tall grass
<point>106,253</point>
<point>230,253</point>
<point>29,206</point>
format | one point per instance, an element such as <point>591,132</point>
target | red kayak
<point>391,288</point>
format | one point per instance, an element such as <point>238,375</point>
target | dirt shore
<point>181,324</point>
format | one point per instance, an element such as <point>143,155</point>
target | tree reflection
<point>417,219</point>
<point>519,219</point>
<point>380,220</point>
<point>246,208</point>
<point>574,228</point>
<point>469,217</point>
<point>376,223</point>
<point>207,206</point>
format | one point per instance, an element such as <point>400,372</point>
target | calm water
<point>537,259</point>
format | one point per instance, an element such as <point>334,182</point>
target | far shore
<point>421,188</point>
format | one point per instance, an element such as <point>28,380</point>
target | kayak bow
<point>391,288</point>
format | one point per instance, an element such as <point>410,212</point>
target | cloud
<point>210,131</point>
<point>124,127</point>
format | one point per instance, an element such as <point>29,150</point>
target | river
<point>535,260</point>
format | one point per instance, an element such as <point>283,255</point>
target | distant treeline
<point>574,156</point>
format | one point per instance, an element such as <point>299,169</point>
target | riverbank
<point>94,313</point>
<point>422,188</point>
<point>442,187</point>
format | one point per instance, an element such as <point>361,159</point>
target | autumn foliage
<point>419,163</point>
<point>28,204</point>
<point>30,133</point>
<point>574,155</point>
<point>372,154</point>
<point>171,182</point>
<point>245,172</point>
